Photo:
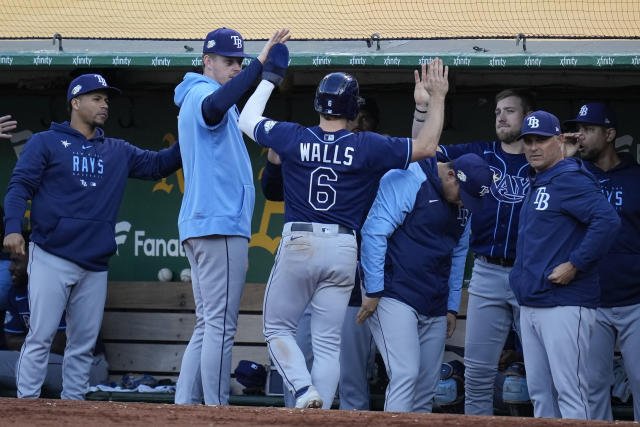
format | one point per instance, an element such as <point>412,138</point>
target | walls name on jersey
<point>326,153</point>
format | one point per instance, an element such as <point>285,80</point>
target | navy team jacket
<point>76,186</point>
<point>408,240</point>
<point>620,267</point>
<point>564,217</point>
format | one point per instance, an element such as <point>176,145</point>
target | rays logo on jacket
<point>463,216</point>
<point>509,188</point>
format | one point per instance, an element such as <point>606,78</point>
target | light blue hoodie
<point>218,190</point>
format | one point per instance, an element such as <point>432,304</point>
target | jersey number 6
<point>322,196</point>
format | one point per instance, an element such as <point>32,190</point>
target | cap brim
<point>232,54</point>
<point>470,202</point>
<point>589,122</point>
<point>536,133</point>
<point>114,91</point>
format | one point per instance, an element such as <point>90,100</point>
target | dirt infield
<point>46,412</point>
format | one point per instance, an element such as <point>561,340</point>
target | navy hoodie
<point>564,217</point>
<point>620,267</point>
<point>76,186</point>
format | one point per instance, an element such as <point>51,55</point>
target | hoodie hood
<point>566,165</point>
<point>188,82</point>
<point>65,127</point>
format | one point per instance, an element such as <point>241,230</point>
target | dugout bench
<point>146,329</point>
<point>147,326</point>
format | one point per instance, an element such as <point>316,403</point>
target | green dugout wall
<point>33,88</point>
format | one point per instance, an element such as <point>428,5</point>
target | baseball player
<point>16,328</point>
<point>215,217</point>
<point>565,228</point>
<point>492,310</point>
<point>357,348</point>
<point>408,239</point>
<point>75,178</point>
<point>618,315</point>
<point>329,174</point>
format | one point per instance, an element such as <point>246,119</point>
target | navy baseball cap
<point>540,123</point>
<point>250,374</point>
<point>595,113</point>
<point>88,83</point>
<point>224,42</point>
<point>475,178</point>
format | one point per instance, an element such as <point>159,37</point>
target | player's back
<point>330,177</point>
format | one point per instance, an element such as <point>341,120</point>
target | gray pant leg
<point>600,362</point>
<point>539,380</point>
<point>491,312</point>
<point>329,304</point>
<point>558,354</point>
<point>357,355</point>
<point>627,321</point>
<point>318,267</point>
<point>84,318</point>
<point>189,384</point>
<point>303,339</point>
<point>433,334</point>
<point>221,263</point>
<point>394,326</point>
<point>50,281</point>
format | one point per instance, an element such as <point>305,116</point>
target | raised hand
<point>437,83</point>
<point>420,94</point>
<point>280,36</point>
<point>570,143</point>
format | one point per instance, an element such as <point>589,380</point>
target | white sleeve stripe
<point>255,129</point>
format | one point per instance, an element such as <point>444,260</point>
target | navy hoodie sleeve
<point>148,164</point>
<point>587,204</point>
<point>24,182</point>
<point>215,106</point>
<point>271,182</point>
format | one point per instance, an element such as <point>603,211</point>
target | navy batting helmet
<point>337,95</point>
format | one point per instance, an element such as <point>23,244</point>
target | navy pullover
<point>413,227</point>
<point>564,217</point>
<point>76,186</point>
<point>620,267</point>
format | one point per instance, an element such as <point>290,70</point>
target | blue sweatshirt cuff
<point>12,225</point>
<point>215,106</point>
<point>375,294</point>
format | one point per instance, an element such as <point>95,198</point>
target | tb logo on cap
<point>237,41</point>
<point>583,111</point>
<point>101,79</point>
<point>533,122</point>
